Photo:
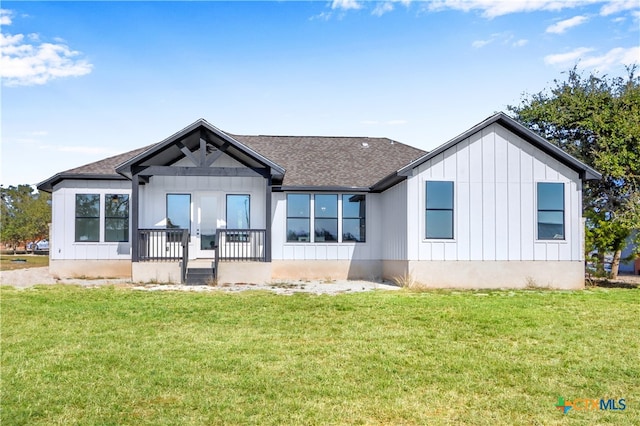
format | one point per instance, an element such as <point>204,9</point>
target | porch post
<point>135,192</point>
<point>267,235</point>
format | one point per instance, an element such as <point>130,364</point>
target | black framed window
<point>298,217</point>
<point>116,218</point>
<point>326,217</point>
<point>87,218</point>
<point>238,211</point>
<point>550,197</point>
<point>439,210</point>
<point>354,217</point>
<point>179,211</point>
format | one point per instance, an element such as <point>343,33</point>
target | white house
<point>497,206</point>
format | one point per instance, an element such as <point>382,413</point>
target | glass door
<point>206,225</point>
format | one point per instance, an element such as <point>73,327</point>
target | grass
<point>32,261</point>
<point>115,356</point>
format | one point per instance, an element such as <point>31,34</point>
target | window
<point>298,217</point>
<point>87,217</point>
<point>550,211</point>
<point>179,211</point>
<point>238,214</point>
<point>326,217</point>
<point>353,217</point>
<point>116,218</point>
<point>439,210</point>
<point>238,211</point>
<point>329,210</point>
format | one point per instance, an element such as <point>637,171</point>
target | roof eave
<point>585,172</point>
<point>47,185</point>
<point>124,168</point>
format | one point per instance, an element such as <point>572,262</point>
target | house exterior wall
<point>495,174</point>
<point>371,249</point>
<point>495,214</point>
<point>62,245</point>
<point>395,207</point>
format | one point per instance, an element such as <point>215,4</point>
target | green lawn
<point>114,356</point>
<point>11,262</point>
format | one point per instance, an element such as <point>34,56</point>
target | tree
<point>24,214</point>
<point>597,120</point>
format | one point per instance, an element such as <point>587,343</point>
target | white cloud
<point>5,16</point>
<point>567,58</point>
<point>382,8</point>
<point>616,56</point>
<point>562,26</point>
<point>346,4</point>
<point>505,38</point>
<point>480,43</point>
<point>27,63</point>
<point>495,8</point>
<point>581,57</point>
<point>618,6</point>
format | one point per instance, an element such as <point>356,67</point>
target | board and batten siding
<point>62,245</point>
<point>368,250</point>
<point>394,222</point>
<point>495,173</point>
<point>153,196</point>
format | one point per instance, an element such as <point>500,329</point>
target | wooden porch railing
<point>160,245</point>
<point>241,245</point>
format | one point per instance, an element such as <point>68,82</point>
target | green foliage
<point>24,214</point>
<point>597,120</point>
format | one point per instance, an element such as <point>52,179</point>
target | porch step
<point>199,276</point>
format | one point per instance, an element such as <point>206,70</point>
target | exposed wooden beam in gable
<point>211,158</point>
<point>204,171</point>
<point>187,153</point>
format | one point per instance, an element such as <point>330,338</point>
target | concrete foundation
<point>156,272</point>
<point>326,270</point>
<point>567,275</point>
<point>244,272</point>
<point>90,268</point>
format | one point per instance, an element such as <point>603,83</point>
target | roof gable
<point>201,136</point>
<point>585,172</point>
<point>297,162</point>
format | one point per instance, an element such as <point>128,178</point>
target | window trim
<point>361,218</point>
<point>106,218</point>
<point>564,212</point>
<point>312,217</point>
<point>76,217</point>
<point>309,218</point>
<point>166,208</point>
<point>316,238</point>
<point>452,210</point>
<point>226,208</point>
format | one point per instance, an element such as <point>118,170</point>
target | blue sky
<point>85,80</point>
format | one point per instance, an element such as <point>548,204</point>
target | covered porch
<point>200,200</point>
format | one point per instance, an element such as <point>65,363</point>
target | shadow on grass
<point>632,283</point>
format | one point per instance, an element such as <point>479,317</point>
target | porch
<point>239,255</point>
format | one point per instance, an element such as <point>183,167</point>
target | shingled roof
<point>309,161</point>
<point>312,161</point>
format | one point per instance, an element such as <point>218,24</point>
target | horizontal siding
<point>495,174</point>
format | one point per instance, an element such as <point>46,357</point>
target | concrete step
<point>199,276</point>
